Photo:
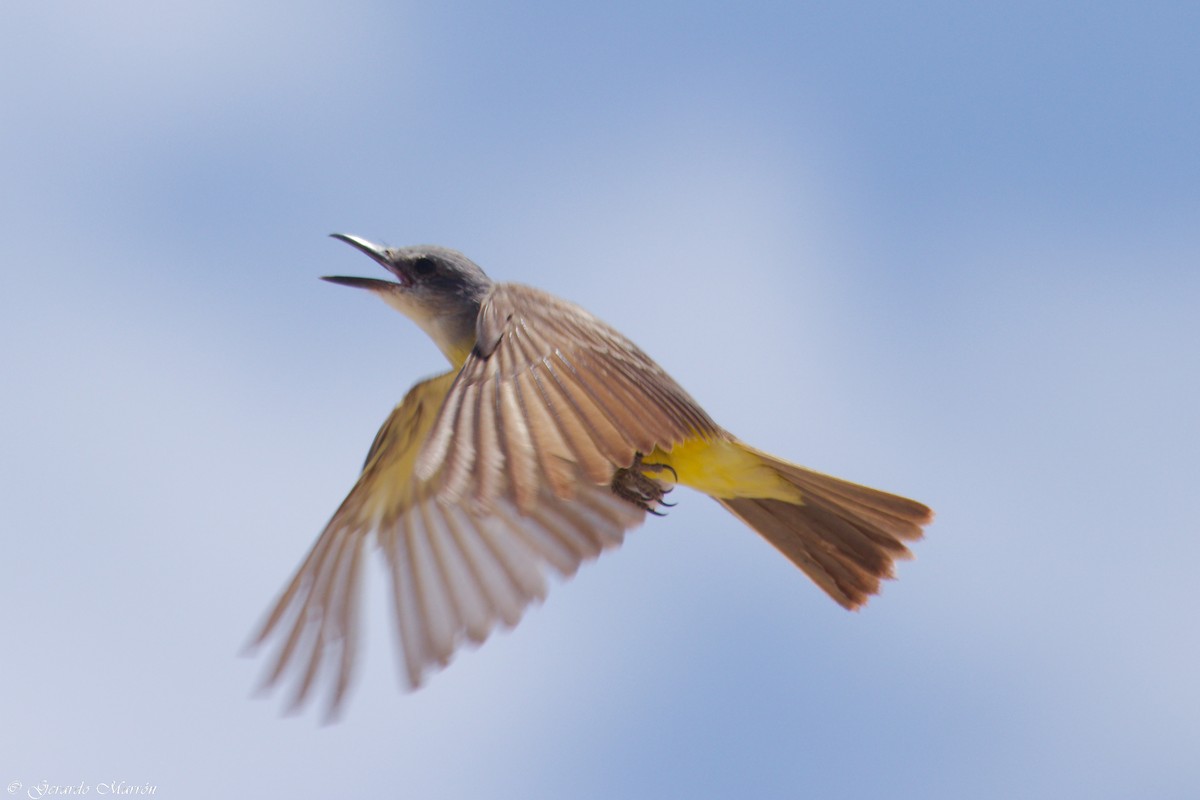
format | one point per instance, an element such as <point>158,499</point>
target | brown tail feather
<point>844,536</point>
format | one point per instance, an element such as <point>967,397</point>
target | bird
<point>549,438</point>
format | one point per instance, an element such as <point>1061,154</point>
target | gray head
<point>438,288</point>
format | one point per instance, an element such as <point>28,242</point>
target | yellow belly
<point>724,469</point>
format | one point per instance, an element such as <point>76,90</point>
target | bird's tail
<point>843,535</point>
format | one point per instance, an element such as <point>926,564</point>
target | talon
<point>634,485</point>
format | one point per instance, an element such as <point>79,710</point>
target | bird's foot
<point>634,485</point>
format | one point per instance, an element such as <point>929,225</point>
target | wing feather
<point>460,459</point>
<point>349,630</point>
<point>407,603</point>
<point>609,440</point>
<point>582,543</point>
<point>479,483</point>
<point>517,442</point>
<point>503,598</point>
<point>470,603</point>
<point>539,539</point>
<point>572,427</point>
<point>620,407</point>
<point>554,454</point>
<point>513,556</point>
<point>489,449</point>
<point>437,610</point>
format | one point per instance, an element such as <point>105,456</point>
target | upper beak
<point>379,255</point>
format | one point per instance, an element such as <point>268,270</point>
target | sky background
<point>950,250</point>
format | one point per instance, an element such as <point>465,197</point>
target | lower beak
<point>374,284</point>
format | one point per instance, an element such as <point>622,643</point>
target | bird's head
<point>438,288</point>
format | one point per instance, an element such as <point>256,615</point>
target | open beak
<point>377,254</point>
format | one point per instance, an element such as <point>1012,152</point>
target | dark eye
<point>424,266</point>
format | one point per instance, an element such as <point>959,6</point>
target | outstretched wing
<point>318,608</point>
<point>478,482</point>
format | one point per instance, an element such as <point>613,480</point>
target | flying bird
<point>550,436</point>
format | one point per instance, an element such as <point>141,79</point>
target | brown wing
<point>550,397</point>
<point>457,570</point>
<point>481,481</point>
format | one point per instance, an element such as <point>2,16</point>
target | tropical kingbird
<point>551,435</point>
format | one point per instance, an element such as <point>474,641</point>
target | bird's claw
<point>634,485</point>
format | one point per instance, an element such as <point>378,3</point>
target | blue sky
<point>943,249</point>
